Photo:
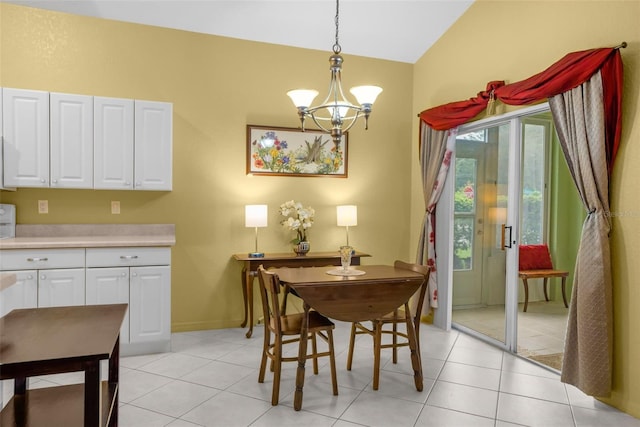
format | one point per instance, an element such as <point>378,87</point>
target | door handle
<point>504,240</point>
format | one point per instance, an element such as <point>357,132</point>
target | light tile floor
<point>210,378</point>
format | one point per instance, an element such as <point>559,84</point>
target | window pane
<point>463,243</point>
<point>465,185</point>
<point>533,181</point>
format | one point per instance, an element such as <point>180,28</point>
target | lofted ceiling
<point>396,30</point>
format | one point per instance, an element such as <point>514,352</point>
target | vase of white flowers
<point>299,219</point>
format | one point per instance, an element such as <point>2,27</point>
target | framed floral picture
<point>291,152</point>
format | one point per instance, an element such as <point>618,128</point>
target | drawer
<point>133,256</point>
<point>38,259</point>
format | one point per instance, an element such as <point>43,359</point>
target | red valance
<point>568,73</point>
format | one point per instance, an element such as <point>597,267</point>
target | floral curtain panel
<point>436,148</point>
<point>568,73</point>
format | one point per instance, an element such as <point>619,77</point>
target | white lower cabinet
<point>110,286</point>
<point>45,278</point>
<point>150,304</point>
<point>22,294</point>
<point>61,287</point>
<point>140,277</point>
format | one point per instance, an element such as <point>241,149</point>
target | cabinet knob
<point>134,274</point>
<point>29,277</point>
<point>124,274</point>
<point>43,277</point>
<point>54,181</point>
<point>42,180</point>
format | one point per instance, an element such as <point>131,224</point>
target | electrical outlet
<point>115,207</point>
<point>43,206</point>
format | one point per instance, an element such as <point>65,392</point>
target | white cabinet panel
<point>26,137</point>
<point>22,294</point>
<point>150,296</point>
<point>153,145</point>
<point>71,141</point>
<point>61,287</point>
<point>109,286</point>
<point>113,143</point>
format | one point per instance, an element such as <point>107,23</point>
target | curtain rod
<point>621,45</point>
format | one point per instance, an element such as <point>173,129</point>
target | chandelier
<point>335,115</point>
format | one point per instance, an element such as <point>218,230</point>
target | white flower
<point>297,218</point>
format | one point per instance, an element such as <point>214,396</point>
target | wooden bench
<point>535,263</point>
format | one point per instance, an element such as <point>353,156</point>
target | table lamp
<point>347,216</point>
<point>255,216</point>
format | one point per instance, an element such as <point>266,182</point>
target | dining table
<point>358,294</point>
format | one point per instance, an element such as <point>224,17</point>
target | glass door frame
<point>444,230</point>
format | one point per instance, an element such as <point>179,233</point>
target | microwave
<point>7,221</point>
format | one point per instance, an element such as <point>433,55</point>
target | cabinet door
<point>22,294</point>
<point>113,143</point>
<point>109,286</point>
<point>61,287</point>
<point>26,137</point>
<point>150,304</point>
<point>71,144</point>
<point>153,145</point>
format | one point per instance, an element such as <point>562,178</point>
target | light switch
<point>43,206</point>
<point>115,207</point>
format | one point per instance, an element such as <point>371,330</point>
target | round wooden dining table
<point>352,298</point>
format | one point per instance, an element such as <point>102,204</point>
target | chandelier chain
<point>336,47</point>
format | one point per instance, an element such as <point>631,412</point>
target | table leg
<point>114,378</point>
<point>19,400</point>
<point>416,359</point>
<point>302,357</point>
<point>92,397</point>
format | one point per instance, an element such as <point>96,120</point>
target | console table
<point>41,341</point>
<point>277,260</point>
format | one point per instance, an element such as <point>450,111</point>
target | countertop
<point>35,236</point>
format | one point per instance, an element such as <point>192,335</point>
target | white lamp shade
<point>347,215</point>
<point>302,97</point>
<point>366,94</point>
<point>255,215</point>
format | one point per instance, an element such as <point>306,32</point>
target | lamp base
<point>256,254</point>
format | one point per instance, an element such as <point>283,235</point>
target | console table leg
<point>243,281</point>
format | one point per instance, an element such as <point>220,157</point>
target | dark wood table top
<point>37,335</point>
<point>379,291</point>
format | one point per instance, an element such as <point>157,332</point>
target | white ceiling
<point>397,30</point>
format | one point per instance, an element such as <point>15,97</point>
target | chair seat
<point>536,274</point>
<point>292,323</point>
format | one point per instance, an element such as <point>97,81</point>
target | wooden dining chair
<point>399,316</point>
<point>285,329</point>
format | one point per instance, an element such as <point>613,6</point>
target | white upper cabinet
<point>113,143</point>
<point>61,140</point>
<point>71,141</point>
<point>153,145</point>
<point>25,129</point>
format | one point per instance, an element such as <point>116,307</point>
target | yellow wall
<point>217,86</point>
<point>499,40</point>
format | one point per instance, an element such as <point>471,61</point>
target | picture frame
<point>282,151</point>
